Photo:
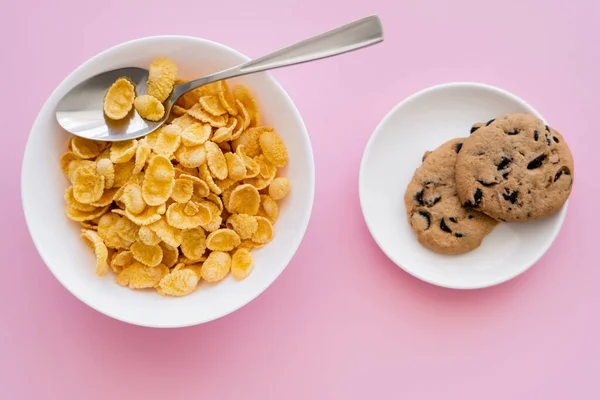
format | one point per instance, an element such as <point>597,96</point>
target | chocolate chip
<point>487,184</point>
<point>444,227</point>
<point>459,235</point>
<point>504,163</point>
<point>469,216</point>
<point>561,172</point>
<point>419,197</point>
<point>474,128</point>
<point>427,216</point>
<point>458,147</point>
<point>536,135</point>
<point>555,139</point>
<point>515,131</point>
<point>505,175</point>
<point>548,142</point>
<point>529,215</point>
<point>489,122</point>
<point>476,199</point>
<point>452,219</point>
<point>536,162</point>
<point>512,196</point>
<point>548,128</point>
<point>432,202</point>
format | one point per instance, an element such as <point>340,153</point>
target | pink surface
<point>342,321</point>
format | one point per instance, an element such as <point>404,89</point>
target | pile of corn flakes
<point>189,201</point>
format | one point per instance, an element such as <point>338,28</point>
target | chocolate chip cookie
<point>515,168</point>
<point>434,210</point>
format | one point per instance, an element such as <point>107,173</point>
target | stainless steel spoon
<point>81,112</point>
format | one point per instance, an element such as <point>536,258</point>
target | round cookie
<point>433,209</point>
<point>514,168</point>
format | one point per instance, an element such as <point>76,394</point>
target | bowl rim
<point>303,224</point>
<point>361,185</point>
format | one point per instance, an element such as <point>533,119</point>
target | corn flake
<point>207,177</point>
<point>250,140</point>
<point>106,199</point>
<point>241,264</point>
<point>123,173</point>
<point>107,230</point>
<point>264,232</point>
<point>88,185</point>
<point>223,240</point>
<point>235,167</point>
<point>168,140</point>
<point>244,225</point>
<point>216,160</point>
<point>191,157</point>
<point>96,243</point>
<point>279,188</point>
<point>201,115</point>
<point>119,99</point>
<point>193,243</point>
<point>85,148</point>
<point>148,107</point>
<point>147,255</point>
<point>178,283</point>
<point>222,135</point>
<point>132,198</point>
<point>246,98</point>
<point>126,229</point>
<point>147,217</point>
<point>74,204</point>
<point>123,151</point>
<point>121,260</point>
<point>65,162</point>
<point>106,168</point>
<point>161,78</point>
<point>147,236</point>
<point>273,148</point>
<point>159,181</point>
<point>212,105</point>
<point>177,218</point>
<point>168,234</point>
<point>244,199</point>
<point>170,255</point>
<point>196,134</point>
<point>140,276</point>
<point>183,190</point>
<point>216,267</point>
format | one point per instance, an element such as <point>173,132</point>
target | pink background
<point>342,321</point>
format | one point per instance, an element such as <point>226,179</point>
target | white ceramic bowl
<point>72,263</point>
<point>423,122</point>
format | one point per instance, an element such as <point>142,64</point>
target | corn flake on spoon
<point>81,110</point>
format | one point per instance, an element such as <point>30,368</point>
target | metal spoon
<point>81,112</point>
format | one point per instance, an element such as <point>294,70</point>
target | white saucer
<point>423,122</point>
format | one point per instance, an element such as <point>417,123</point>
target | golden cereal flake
<point>147,236</point>
<point>126,229</point>
<point>123,173</point>
<point>106,199</point>
<point>201,115</point>
<point>223,240</point>
<point>85,148</point>
<point>150,215</point>
<point>273,148</point>
<point>119,99</point>
<point>250,140</point>
<point>161,78</point>
<point>207,177</point>
<point>244,199</point>
<point>264,232</point>
<point>216,160</point>
<point>235,167</point>
<point>106,168</point>
<point>132,198</point>
<point>123,151</point>
<point>183,190</point>
<point>149,107</point>
<point>168,141</point>
<point>212,105</point>
<point>159,181</point>
<point>95,242</point>
<point>177,218</point>
<point>193,243</point>
<point>222,135</point>
<point>245,97</point>
<point>216,266</point>
<point>268,208</point>
<point>244,225</point>
<point>279,188</point>
<point>147,255</point>
<point>241,264</point>
<point>140,276</point>
<point>88,185</point>
<point>74,204</point>
<point>191,157</point>
<point>191,208</point>
<point>65,162</point>
<point>141,156</point>
<point>107,230</point>
<point>196,134</point>
<point>178,283</point>
<point>120,260</point>
<point>168,234</point>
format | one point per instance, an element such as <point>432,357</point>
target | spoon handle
<point>353,36</point>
